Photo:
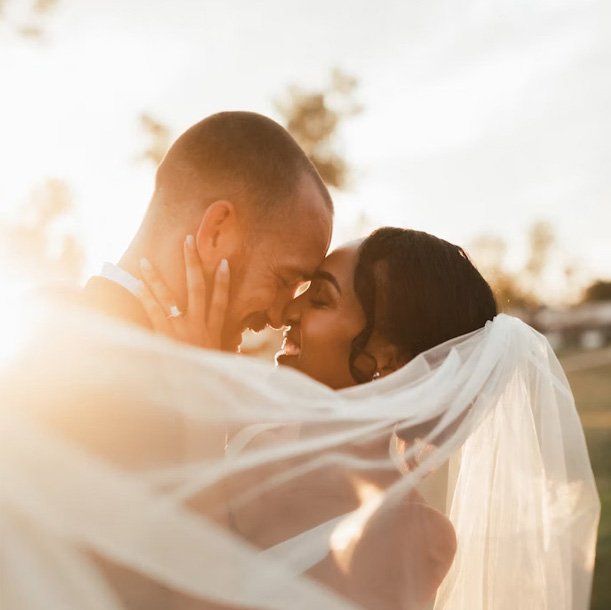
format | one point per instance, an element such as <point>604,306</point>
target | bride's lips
<point>291,349</point>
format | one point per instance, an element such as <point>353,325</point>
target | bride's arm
<point>402,554</point>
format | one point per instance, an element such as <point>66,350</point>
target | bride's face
<point>324,320</point>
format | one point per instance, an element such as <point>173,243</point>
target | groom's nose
<point>275,314</point>
<point>291,312</point>
<point>275,317</point>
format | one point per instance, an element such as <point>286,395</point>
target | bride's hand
<point>198,325</point>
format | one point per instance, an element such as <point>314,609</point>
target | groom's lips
<point>255,322</point>
<point>256,328</point>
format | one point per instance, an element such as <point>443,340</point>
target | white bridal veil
<point>139,473</point>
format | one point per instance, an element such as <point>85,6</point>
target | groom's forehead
<point>310,197</point>
<point>304,231</point>
<point>297,271</point>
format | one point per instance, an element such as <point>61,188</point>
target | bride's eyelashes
<point>317,304</point>
<point>319,296</point>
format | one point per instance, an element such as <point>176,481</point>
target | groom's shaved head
<point>248,194</point>
<point>241,156</point>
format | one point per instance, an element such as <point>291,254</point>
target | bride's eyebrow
<point>328,277</point>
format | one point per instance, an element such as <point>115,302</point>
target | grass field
<point>592,389</point>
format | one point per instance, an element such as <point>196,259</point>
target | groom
<point>241,185</point>
<point>243,188</point>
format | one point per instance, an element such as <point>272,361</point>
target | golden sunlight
<point>13,326</point>
<point>345,536</point>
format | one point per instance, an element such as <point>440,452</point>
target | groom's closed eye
<point>296,283</point>
<point>290,276</point>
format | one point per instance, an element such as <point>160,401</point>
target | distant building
<point>587,326</point>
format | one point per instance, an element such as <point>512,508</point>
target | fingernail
<point>224,266</point>
<point>190,241</point>
<point>144,264</point>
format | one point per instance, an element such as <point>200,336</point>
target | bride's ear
<point>389,357</point>
<point>219,234</point>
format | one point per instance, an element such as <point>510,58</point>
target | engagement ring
<point>174,312</point>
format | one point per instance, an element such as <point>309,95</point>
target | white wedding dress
<point>126,457</point>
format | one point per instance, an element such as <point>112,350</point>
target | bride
<point>371,307</point>
<point>459,476</point>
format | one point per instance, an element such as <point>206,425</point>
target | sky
<point>478,116</point>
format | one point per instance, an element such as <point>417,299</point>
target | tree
<point>600,290</point>
<point>541,239</point>
<point>489,251</point>
<point>38,245</point>
<point>159,137</point>
<point>313,119</point>
<point>27,18</point>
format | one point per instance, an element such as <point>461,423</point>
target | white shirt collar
<point>123,278</point>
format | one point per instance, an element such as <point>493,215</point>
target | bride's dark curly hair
<point>417,291</point>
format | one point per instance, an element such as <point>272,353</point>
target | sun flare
<point>345,536</point>
<point>14,329</point>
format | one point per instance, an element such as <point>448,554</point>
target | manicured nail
<point>224,266</point>
<point>190,241</point>
<point>144,264</point>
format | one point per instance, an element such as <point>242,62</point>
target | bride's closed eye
<point>318,304</point>
<point>319,295</point>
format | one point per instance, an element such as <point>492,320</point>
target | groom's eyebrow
<point>294,274</point>
<point>328,277</point>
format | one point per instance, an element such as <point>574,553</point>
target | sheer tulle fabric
<point>140,473</point>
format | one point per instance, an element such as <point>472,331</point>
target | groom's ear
<point>219,234</point>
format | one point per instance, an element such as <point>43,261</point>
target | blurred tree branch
<point>313,119</point>
<point>600,290</point>
<point>39,244</point>
<point>526,288</point>
<point>159,137</point>
<point>26,17</point>
<point>541,239</point>
<point>489,251</point>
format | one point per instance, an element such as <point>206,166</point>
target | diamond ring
<point>174,312</point>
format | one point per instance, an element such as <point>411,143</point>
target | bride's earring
<point>376,375</point>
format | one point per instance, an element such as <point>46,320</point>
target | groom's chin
<point>230,342</point>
